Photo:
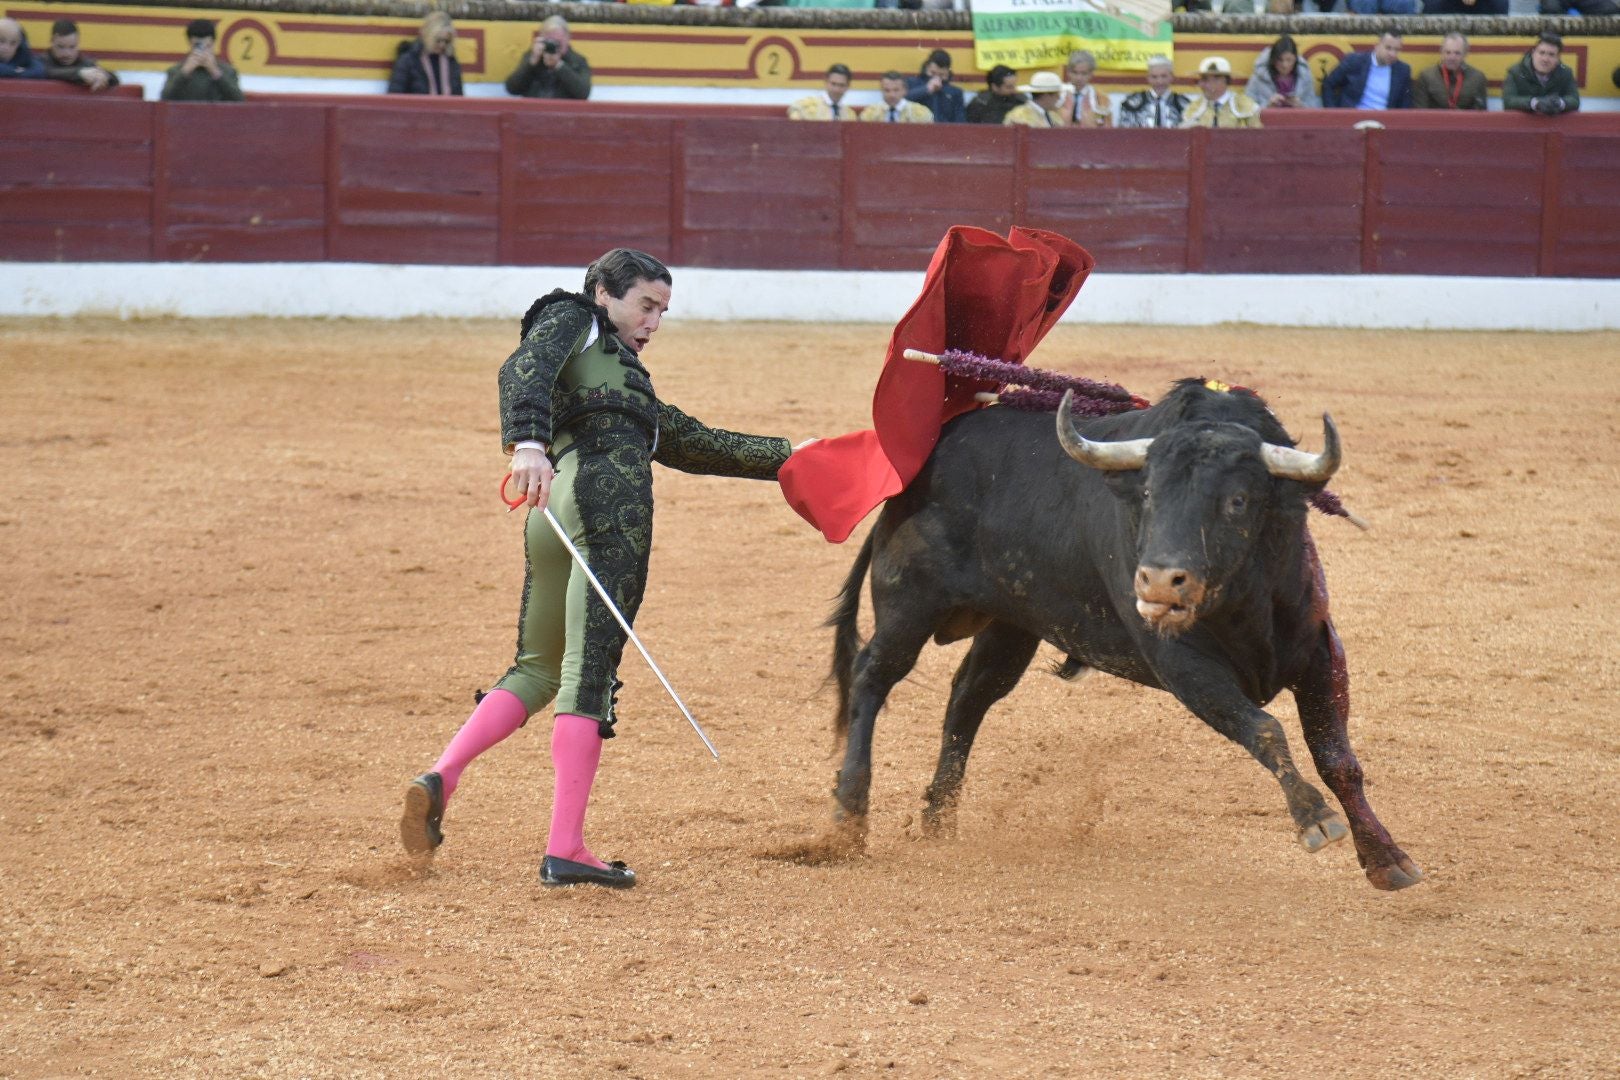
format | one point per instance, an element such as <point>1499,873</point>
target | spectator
<point>829,104</point>
<point>552,68</point>
<point>1001,97</point>
<point>933,88</point>
<point>1540,83</point>
<point>1579,7</point>
<point>67,63</point>
<point>895,108</point>
<point>1218,105</point>
<point>428,65</point>
<point>1089,108</point>
<point>1467,7</point>
<point>1280,81</point>
<point>1384,7</point>
<point>1375,80</point>
<point>202,75</point>
<point>1045,107</point>
<point>17,60</point>
<point>1158,106</point>
<point>1450,84</point>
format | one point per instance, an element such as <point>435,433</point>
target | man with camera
<point>550,69</point>
<point>202,75</point>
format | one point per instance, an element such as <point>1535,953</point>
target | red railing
<point>513,182</point>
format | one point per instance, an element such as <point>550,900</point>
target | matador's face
<point>637,313</point>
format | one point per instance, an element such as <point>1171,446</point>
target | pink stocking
<point>576,750</point>
<point>497,716</point>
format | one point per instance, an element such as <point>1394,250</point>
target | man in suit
<point>829,104</point>
<point>1158,106</point>
<point>1375,80</point>
<point>1450,84</point>
<point>895,109</point>
<point>932,88</point>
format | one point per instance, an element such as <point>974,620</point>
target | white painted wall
<point>356,290</point>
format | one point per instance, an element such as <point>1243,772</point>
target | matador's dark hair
<point>200,28</point>
<point>620,269</point>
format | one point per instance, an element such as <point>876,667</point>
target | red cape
<point>985,294</point>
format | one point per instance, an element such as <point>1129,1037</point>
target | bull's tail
<point>846,638</point>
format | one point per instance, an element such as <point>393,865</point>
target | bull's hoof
<point>845,840</point>
<point>1319,834</point>
<point>1401,874</point>
<point>939,823</point>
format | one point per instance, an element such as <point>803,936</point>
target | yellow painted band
<point>351,47</point>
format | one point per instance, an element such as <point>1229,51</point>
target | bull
<point>1168,546</point>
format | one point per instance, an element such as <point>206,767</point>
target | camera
<point>549,47</point>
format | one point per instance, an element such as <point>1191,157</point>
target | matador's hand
<point>531,476</point>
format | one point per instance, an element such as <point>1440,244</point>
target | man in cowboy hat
<point>1220,106</point>
<point>1044,107</point>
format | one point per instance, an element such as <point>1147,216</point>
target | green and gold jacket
<point>555,381</point>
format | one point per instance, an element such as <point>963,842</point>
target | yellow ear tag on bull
<point>1217,386</point>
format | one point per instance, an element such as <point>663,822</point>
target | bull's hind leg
<point>1323,697</point>
<point>999,656</point>
<point>887,659</point>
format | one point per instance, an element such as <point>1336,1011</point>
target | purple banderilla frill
<point>1033,390</point>
<point>1040,391</point>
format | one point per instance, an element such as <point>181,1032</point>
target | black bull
<point>1172,551</point>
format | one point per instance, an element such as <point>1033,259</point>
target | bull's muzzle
<point>1167,597</point>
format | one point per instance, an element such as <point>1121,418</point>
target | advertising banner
<point>1023,34</point>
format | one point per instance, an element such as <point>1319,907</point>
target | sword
<point>624,624</point>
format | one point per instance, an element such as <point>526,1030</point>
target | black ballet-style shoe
<point>420,826</point>
<point>555,872</point>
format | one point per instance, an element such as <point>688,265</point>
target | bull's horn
<point>1108,456</point>
<point>1291,464</point>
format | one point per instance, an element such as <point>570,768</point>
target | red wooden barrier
<point>904,185</point>
<point>63,89</point>
<point>766,194</point>
<point>516,182</point>
<point>413,186</point>
<point>1458,203</point>
<point>247,183</point>
<point>1125,191</point>
<point>1582,237</point>
<point>564,176</point>
<point>76,178</point>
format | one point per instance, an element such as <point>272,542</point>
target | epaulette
<point>557,296</point>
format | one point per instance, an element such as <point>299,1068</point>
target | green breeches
<point>569,644</point>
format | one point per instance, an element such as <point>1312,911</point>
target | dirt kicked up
<point>254,571</point>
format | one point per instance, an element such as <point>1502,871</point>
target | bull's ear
<point>1107,456</point>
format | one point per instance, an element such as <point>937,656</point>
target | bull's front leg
<point>1208,689</point>
<point>1323,697</point>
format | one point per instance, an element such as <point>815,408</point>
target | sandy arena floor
<point>253,572</point>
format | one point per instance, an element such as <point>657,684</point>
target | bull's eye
<point>1237,503</point>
